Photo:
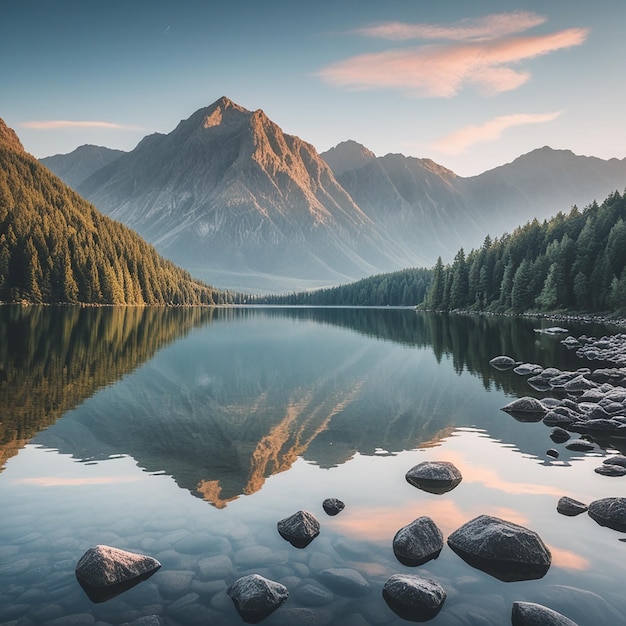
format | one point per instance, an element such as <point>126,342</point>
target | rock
<point>610,470</point>
<point>344,581</point>
<point>552,418</point>
<point>413,598</point>
<point>104,572</point>
<point>609,512</point>
<point>503,549</point>
<point>570,507</point>
<point>553,453</point>
<point>299,529</point>
<point>580,445</point>
<point>332,506</point>
<point>559,435</point>
<point>526,409</point>
<point>525,369</point>
<point>531,614</point>
<point>418,542</point>
<point>618,459</point>
<point>255,597</point>
<point>502,362</point>
<point>434,476</point>
<point>553,330</point>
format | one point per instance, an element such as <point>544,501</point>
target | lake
<point>187,434</point>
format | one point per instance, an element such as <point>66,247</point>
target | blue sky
<point>471,85</point>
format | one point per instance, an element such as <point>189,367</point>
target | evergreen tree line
<point>403,288</point>
<point>57,248</point>
<point>571,262</point>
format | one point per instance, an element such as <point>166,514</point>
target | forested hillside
<point>404,288</point>
<point>57,248</point>
<point>570,262</point>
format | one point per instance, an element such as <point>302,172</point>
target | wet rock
<point>579,384</point>
<point>413,598</point>
<point>526,369</point>
<point>333,506</point>
<point>256,597</point>
<point>525,409</point>
<point>299,529</point>
<point>618,459</point>
<point>571,342</point>
<point>502,362</point>
<point>344,581</point>
<point>580,445</point>
<point>559,435</point>
<point>310,593</point>
<point>503,549</point>
<point>553,330</point>
<point>418,542</point>
<point>104,572</point>
<point>553,453</point>
<point>175,583</point>
<point>434,476</point>
<point>146,620</point>
<point>552,418</point>
<point>539,383</point>
<point>531,614</point>
<point>218,567</point>
<point>609,512</point>
<point>570,507</point>
<point>610,470</point>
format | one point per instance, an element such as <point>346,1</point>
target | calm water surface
<point>187,434</point>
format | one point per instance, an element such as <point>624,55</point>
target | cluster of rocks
<point>610,348</point>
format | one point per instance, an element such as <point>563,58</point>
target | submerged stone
<point>609,512</point>
<point>434,476</point>
<point>333,506</point>
<point>104,572</point>
<point>418,542</point>
<point>570,507</point>
<point>413,598</point>
<point>503,549</point>
<point>299,529</point>
<point>526,409</point>
<point>256,597</point>
<point>531,614</point>
<point>502,362</point>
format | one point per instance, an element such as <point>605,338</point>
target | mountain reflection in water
<point>244,393</point>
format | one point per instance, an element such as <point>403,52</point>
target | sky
<point>470,85</point>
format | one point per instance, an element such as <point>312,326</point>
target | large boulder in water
<point>434,476</point>
<point>526,409</point>
<point>503,549</point>
<point>418,542</point>
<point>413,598</point>
<point>299,529</point>
<point>609,512</point>
<point>531,614</point>
<point>255,597</point>
<point>503,362</point>
<point>104,572</point>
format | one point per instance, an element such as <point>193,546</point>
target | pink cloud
<point>56,124</point>
<point>490,26</point>
<point>459,141</point>
<point>442,70</point>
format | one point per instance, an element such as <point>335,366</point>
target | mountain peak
<point>347,155</point>
<point>9,137</point>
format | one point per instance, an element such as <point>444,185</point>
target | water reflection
<point>53,358</point>
<point>250,391</point>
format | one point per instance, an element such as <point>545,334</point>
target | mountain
<point>236,201</point>
<point>56,247</point>
<point>228,190</point>
<point>75,167</point>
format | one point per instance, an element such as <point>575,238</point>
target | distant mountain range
<point>236,201</point>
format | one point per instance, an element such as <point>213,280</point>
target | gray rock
<point>580,445</point>
<point>332,506</point>
<point>434,476</point>
<point>531,614</point>
<point>570,507</point>
<point>559,435</point>
<point>610,470</point>
<point>255,597</point>
<point>618,459</point>
<point>503,549</point>
<point>418,542</point>
<point>216,568</point>
<point>413,598</point>
<point>310,593</point>
<point>554,418</point>
<point>299,529</point>
<point>526,409</point>
<point>104,572</point>
<point>553,453</point>
<point>502,362</point>
<point>610,512</point>
<point>344,581</point>
<point>525,369</point>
